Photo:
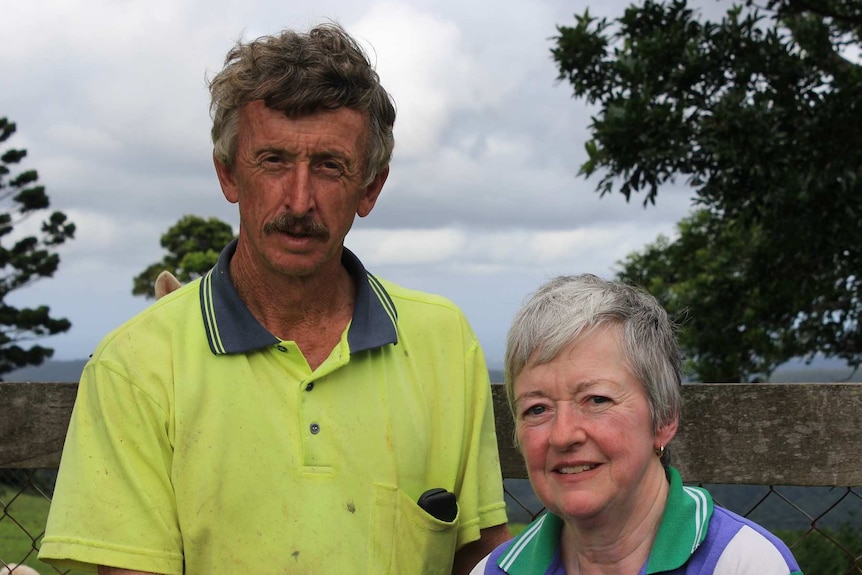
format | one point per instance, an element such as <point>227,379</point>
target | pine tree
<point>24,260</point>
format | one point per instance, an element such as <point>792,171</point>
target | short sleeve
<point>113,503</point>
<point>482,484</point>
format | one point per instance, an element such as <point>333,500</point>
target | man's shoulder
<point>410,297</point>
<point>171,318</point>
<point>426,312</point>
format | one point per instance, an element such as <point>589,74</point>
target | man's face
<point>298,183</point>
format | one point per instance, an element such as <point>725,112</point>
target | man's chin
<point>299,265</point>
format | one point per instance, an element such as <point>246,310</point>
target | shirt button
<point>282,348</point>
<point>315,429</point>
<point>310,386</point>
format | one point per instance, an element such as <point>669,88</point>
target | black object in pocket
<point>439,503</point>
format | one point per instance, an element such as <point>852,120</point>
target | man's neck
<point>312,310</point>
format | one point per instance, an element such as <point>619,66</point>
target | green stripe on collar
<point>683,528</point>
<point>683,525</point>
<point>533,550</point>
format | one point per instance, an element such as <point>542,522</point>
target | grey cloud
<point>114,115</point>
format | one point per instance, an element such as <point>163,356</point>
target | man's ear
<point>226,180</point>
<point>371,193</point>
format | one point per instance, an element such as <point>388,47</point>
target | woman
<point>593,377</point>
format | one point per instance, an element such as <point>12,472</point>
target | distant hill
<point>70,370</point>
<point>793,374</point>
<point>816,375</point>
<point>50,371</point>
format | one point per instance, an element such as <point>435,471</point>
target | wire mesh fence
<point>25,495</point>
<point>822,525</point>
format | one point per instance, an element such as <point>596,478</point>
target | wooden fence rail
<point>762,434</point>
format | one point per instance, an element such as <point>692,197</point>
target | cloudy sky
<point>483,203</point>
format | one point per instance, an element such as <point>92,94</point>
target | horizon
<point>830,370</point>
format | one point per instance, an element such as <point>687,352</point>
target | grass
<point>22,524</point>
<point>22,521</point>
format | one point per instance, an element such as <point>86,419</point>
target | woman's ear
<point>665,433</point>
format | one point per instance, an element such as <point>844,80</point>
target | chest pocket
<point>405,538</point>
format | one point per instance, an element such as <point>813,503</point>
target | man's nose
<point>299,190</point>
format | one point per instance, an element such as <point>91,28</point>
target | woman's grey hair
<point>299,74</point>
<point>569,308</point>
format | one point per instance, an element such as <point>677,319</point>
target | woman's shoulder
<point>488,565</point>
<point>747,547</point>
<point>534,550</point>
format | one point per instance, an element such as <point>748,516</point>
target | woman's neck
<point>616,545</point>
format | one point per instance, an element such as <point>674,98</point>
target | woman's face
<point>583,423</point>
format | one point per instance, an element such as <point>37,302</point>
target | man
<point>285,413</point>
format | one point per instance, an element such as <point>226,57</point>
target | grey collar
<point>232,329</point>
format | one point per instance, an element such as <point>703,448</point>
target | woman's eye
<point>535,410</point>
<point>599,399</point>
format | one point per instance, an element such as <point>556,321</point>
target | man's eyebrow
<point>277,150</point>
<point>332,154</point>
<point>321,155</point>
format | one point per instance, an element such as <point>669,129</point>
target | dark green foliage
<point>826,551</point>
<point>761,115</point>
<point>193,246</point>
<point>24,260</point>
<point>726,329</point>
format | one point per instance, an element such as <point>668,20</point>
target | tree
<point>24,260</point>
<point>760,114</point>
<point>702,279</point>
<point>193,246</point>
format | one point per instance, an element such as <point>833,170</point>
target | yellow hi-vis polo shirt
<point>200,443</point>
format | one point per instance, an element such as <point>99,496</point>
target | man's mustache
<point>297,226</point>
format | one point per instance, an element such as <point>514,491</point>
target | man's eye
<point>331,167</point>
<point>599,399</point>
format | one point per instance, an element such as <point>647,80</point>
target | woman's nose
<point>566,428</point>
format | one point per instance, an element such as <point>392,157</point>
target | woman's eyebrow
<point>529,395</point>
<point>576,388</point>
